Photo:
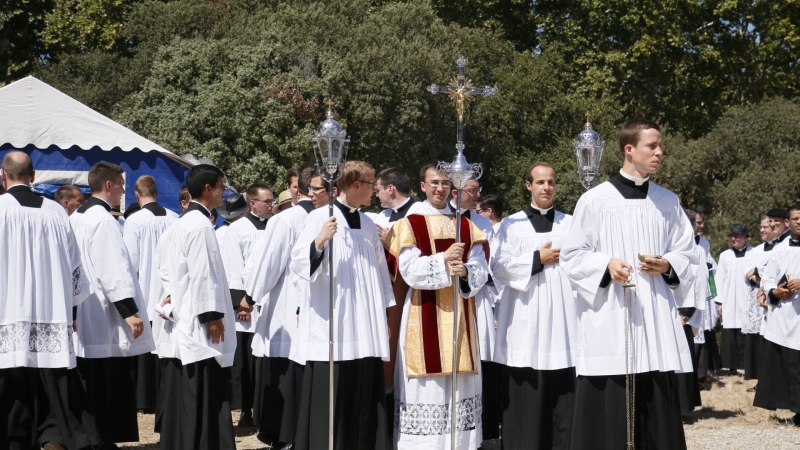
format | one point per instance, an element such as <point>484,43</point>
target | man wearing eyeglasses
<point>270,282</point>
<point>238,243</point>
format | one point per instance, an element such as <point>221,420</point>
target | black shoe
<point>796,420</point>
<point>246,420</point>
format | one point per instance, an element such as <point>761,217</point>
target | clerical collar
<point>258,222</point>
<point>794,243</point>
<point>446,210</point>
<point>628,187</point>
<point>783,236</point>
<point>637,181</point>
<point>351,215</point>
<point>345,205</point>
<point>19,187</point>
<point>197,206</point>
<point>541,211</point>
<point>306,204</point>
<point>464,211</point>
<point>739,253</point>
<point>697,239</point>
<point>25,196</point>
<point>405,205</point>
<point>542,223</point>
<point>155,208</point>
<point>94,201</point>
<point>401,211</point>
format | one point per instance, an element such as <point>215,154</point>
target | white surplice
<point>606,225</point>
<point>141,233</point>
<point>42,279</point>
<point>102,332</point>
<point>363,291</point>
<point>783,325</point>
<point>269,281</point>
<point>709,313</point>
<point>732,287</point>
<point>536,313</point>
<point>238,244</point>
<point>192,274</point>
<point>755,316</point>
<point>422,412</point>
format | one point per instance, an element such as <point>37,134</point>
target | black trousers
<point>538,407</point>
<point>110,385</point>
<point>752,355</point>
<point>243,373</point>
<point>779,378</point>
<point>600,413</point>
<point>195,406</point>
<point>359,406</point>
<point>733,344</point>
<point>44,405</point>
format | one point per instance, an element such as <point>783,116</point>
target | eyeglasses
<point>268,202</point>
<point>315,189</point>
<point>473,191</point>
<point>701,222</point>
<point>481,211</point>
<point>368,182</point>
<point>438,184</point>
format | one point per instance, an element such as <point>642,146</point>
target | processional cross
<point>461,92</point>
<point>459,172</point>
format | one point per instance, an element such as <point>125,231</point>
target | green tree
<point>21,21</point>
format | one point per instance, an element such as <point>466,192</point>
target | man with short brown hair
<point>70,197</point>
<point>613,224</point>
<point>109,337</point>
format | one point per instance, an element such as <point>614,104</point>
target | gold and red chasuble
<point>429,332</point>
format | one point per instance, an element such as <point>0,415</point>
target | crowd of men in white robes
<point>560,316</point>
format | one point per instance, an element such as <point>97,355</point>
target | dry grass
<point>727,420</point>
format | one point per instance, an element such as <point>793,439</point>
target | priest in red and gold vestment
<point>423,252</point>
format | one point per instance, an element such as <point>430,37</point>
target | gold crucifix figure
<point>460,92</point>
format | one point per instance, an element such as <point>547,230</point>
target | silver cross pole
<point>459,172</point>
<point>461,92</point>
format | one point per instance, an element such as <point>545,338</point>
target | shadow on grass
<point>708,412</point>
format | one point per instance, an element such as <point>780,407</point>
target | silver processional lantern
<point>589,151</point>
<point>330,143</point>
<point>459,172</point>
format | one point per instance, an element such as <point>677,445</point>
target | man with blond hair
<point>361,341</point>
<point>141,233</point>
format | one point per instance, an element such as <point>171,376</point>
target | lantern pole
<point>330,142</point>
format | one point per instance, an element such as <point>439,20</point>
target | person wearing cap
<point>274,288</point>
<point>233,208</point>
<point>237,244</point>
<point>779,377</point>
<point>285,201</point>
<point>779,222</point>
<point>734,292</point>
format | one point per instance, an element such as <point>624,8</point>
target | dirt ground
<point>727,420</point>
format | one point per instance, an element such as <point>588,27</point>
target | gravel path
<point>727,421</point>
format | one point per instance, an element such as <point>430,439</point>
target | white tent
<point>65,138</point>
